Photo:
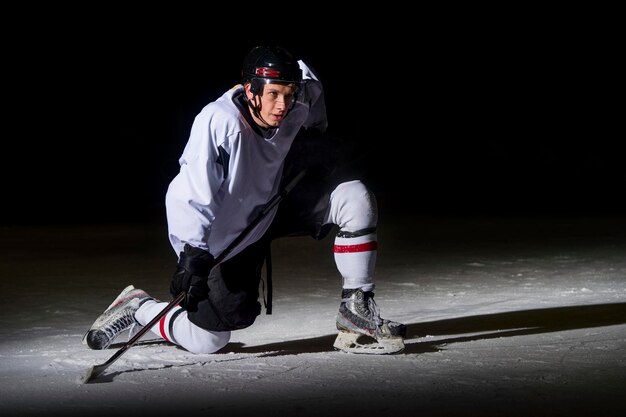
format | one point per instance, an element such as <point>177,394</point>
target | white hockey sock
<point>176,328</point>
<point>353,208</point>
<point>356,258</point>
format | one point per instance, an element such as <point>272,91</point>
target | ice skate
<point>361,330</point>
<point>119,316</point>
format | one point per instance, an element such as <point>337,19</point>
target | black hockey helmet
<point>269,64</point>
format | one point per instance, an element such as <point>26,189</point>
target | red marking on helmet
<point>363,247</point>
<point>267,72</point>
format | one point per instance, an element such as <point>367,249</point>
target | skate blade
<point>117,299</point>
<point>358,343</point>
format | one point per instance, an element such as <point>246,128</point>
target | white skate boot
<point>359,320</point>
<point>119,316</point>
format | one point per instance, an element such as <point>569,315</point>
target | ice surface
<point>506,317</point>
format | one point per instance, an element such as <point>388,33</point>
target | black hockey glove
<point>191,276</point>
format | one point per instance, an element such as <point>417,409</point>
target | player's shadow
<point>513,323</point>
<point>464,329</point>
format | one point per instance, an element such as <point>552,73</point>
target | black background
<point>459,114</point>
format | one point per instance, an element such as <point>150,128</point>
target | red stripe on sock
<point>162,328</point>
<point>362,247</point>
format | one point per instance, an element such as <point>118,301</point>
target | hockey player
<point>242,149</point>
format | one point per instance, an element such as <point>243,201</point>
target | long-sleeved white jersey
<point>228,171</point>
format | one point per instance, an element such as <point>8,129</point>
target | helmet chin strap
<point>256,109</point>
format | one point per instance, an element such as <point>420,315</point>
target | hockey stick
<point>97,370</point>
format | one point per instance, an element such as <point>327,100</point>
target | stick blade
<point>92,373</point>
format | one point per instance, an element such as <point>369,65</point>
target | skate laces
<point>373,308</point>
<point>121,323</point>
<point>134,329</point>
<point>118,321</point>
<point>365,304</point>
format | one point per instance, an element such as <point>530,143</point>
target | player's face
<point>274,103</point>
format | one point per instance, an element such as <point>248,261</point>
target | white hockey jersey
<point>228,171</point>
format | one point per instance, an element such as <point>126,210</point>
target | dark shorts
<point>232,302</point>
